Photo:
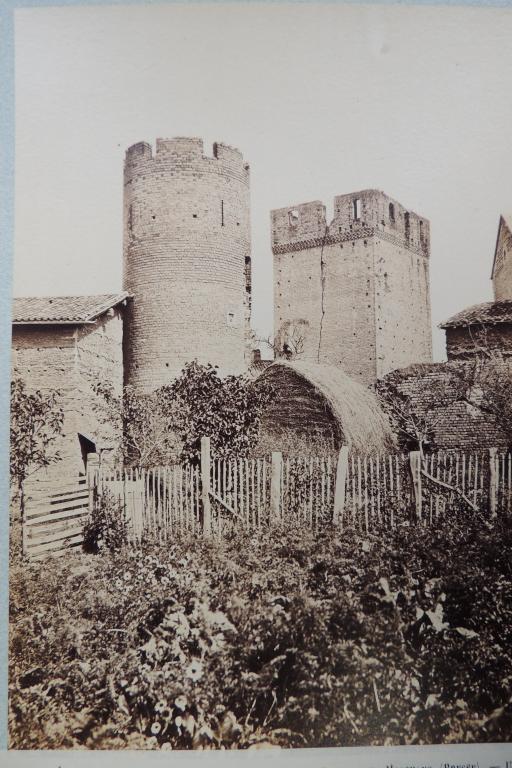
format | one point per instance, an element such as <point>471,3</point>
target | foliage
<point>166,426</point>
<point>106,526</point>
<point>228,410</point>
<point>149,436</point>
<point>281,637</point>
<point>36,422</point>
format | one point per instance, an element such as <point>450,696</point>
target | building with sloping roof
<point>316,408</point>
<point>70,344</point>
<point>502,263</point>
<point>480,329</point>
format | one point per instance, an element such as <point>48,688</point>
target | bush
<point>107,526</point>
<point>281,637</point>
<point>229,410</point>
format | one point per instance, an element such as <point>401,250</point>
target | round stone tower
<point>186,260</point>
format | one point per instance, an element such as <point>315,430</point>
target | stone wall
<point>186,260</point>
<point>358,288</point>
<point>502,273</point>
<point>69,359</point>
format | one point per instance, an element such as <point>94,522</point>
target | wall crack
<point>322,292</point>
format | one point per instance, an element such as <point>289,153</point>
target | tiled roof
<point>63,309</point>
<point>490,312</point>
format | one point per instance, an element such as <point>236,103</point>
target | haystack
<point>318,407</point>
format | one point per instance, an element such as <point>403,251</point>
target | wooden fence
<point>369,493</point>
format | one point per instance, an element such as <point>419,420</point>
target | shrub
<point>106,527</point>
<point>228,410</point>
<point>282,636</point>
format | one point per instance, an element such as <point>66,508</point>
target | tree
<point>36,422</point>
<point>482,381</point>
<point>290,342</point>
<point>485,383</point>
<point>414,418</point>
<point>227,410</point>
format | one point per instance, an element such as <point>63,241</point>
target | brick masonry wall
<point>465,342</point>
<point>502,278</point>
<point>458,425</point>
<point>186,260</point>
<point>69,359</point>
<point>358,288</point>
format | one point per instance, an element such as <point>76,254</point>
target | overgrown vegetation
<point>106,526</point>
<point>167,425</point>
<point>281,637</point>
<point>227,409</point>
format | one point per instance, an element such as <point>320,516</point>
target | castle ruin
<point>352,294</point>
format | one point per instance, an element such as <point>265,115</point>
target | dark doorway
<point>86,446</point>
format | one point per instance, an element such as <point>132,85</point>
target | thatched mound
<point>317,404</point>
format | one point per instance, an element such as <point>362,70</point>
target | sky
<point>322,100</point>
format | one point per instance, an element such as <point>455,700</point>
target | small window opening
<point>153,216</point>
<point>222,213</point>
<point>194,215</point>
<point>293,217</point>
<point>407,224</point>
<point>391,212</point>
<point>356,208</point>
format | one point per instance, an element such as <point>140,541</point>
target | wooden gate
<point>53,518</point>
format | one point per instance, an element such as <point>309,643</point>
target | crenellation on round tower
<point>186,259</point>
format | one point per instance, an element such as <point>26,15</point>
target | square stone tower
<point>355,292</point>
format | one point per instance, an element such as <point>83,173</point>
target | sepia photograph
<point>261,377</point>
